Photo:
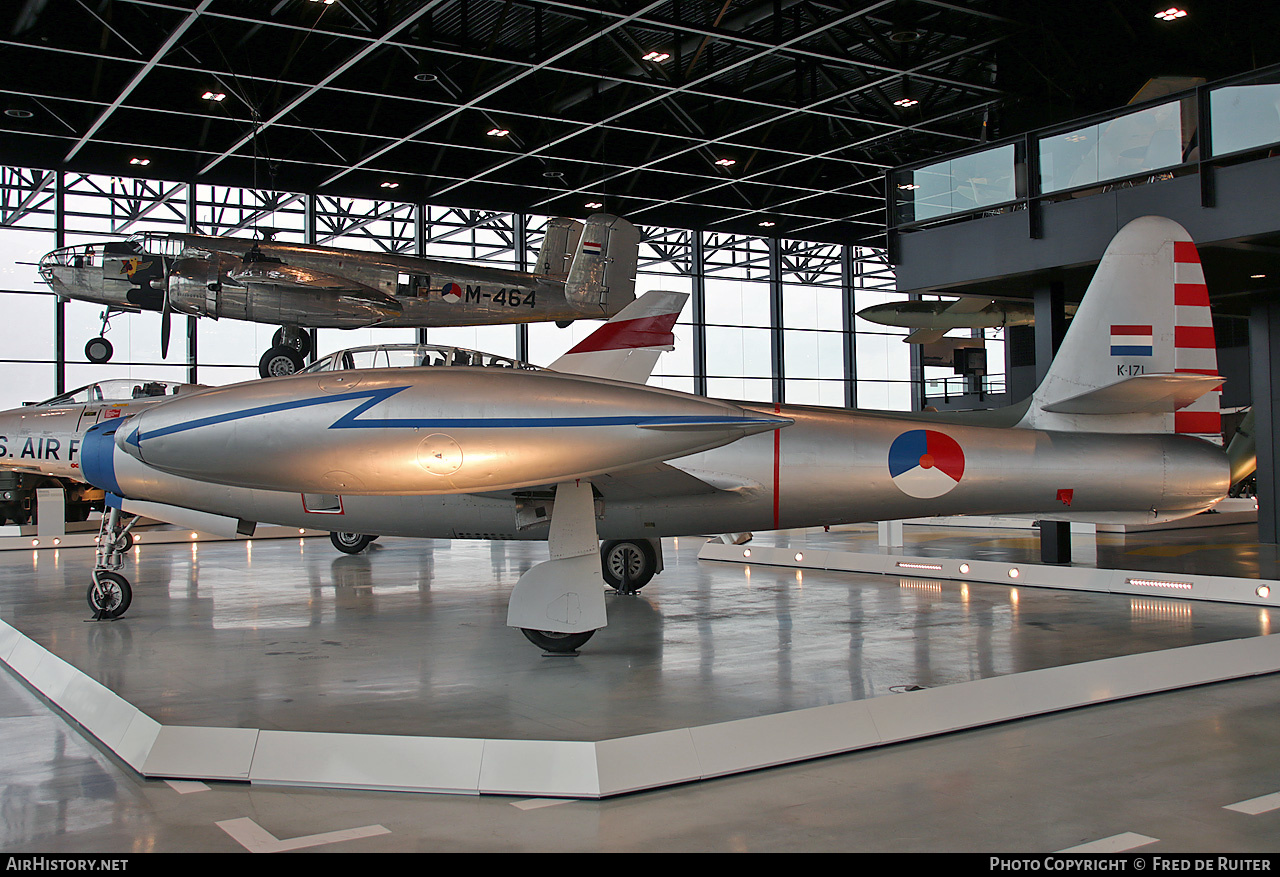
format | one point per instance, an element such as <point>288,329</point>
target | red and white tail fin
<point>1194,348</point>
<point>1139,355</point>
<point>628,346</point>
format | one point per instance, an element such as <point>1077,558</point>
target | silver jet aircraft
<point>1110,435</point>
<point>584,271</point>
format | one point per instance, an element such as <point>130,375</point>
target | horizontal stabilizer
<point>1141,394</point>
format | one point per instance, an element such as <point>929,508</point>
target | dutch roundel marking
<point>452,293</point>
<point>924,463</point>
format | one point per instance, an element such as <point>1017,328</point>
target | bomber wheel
<point>551,641</point>
<point>563,324</point>
<point>279,362</point>
<point>124,542</point>
<point>98,350</point>
<point>635,556</point>
<point>351,543</point>
<point>298,339</point>
<point>112,597</point>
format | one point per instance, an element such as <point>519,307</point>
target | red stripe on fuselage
<point>640,332</point>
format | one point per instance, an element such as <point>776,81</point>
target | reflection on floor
<point>409,637</point>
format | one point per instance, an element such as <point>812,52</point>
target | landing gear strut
<point>109,592</point>
<point>99,349</point>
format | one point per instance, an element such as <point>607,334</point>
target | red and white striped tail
<point>1194,348</point>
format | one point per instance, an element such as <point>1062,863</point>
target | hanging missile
<point>427,430</point>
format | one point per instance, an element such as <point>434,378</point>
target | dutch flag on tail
<point>1131,340</point>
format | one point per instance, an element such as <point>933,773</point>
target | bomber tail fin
<point>602,278</point>
<point>628,346</point>
<point>1139,355</point>
<point>559,245</point>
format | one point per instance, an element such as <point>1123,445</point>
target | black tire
<point>115,597</point>
<point>635,555</point>
<point>280,361</point>
<point>125,542</point>
<point>564,324</point>
<point>98,350</point>
<point>560,643</point>
<point>351,543</point>
<point>77,512</point>
<point>301,341</point>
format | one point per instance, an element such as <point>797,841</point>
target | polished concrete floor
<point>408,638</point>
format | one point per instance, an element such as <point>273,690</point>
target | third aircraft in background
<point>584,271</point>
<point>1112,434</point>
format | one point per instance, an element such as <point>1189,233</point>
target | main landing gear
<point>351,543</point>
<point>109,592</point>
<point>289,348</point>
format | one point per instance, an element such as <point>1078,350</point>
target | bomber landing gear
<point>109,592</point>
<point>99,349</point>
<point>289,347</point>
<point>351,543</point>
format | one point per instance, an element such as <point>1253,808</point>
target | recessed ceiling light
<point>553,175</point>
<point>18,114</point>
<point>140,161</point>
<point>425,77</point>
<point>1170,14</point>
<point>656,57</point>
<point>593,205</point>
<point>768,224</point>
<point>908,186</point>
<point>389,185</point>
<point>498,132</point>
<point>1257,276</point>
<point>904,36</point>
<point>905,102</point>
<point>215,96</point>
<point>727,162</point>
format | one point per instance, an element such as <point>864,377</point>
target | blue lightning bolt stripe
<point>352,419</point>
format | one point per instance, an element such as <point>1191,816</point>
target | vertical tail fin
<point>602,278</point>
<point>627,347</point>
<point>1139,355</point>
<point>559,245</point>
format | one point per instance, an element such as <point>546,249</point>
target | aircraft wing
<point>292,277</point>
<point>925,336</point>
<point>959,307</point>
<point>653,481</point>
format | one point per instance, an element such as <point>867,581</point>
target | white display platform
<point>548,768</point>
<point>1182,586</point>
<point>1229,511</point>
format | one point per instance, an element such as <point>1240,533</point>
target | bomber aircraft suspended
<point>1112,434</point>
<point>584,271</point>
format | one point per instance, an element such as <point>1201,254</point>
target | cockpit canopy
<point>118,390</point>
<point>412,356</point>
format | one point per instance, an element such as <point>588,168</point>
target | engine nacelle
<point>194,285</point>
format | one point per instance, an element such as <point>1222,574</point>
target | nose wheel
<point>109,593</point>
